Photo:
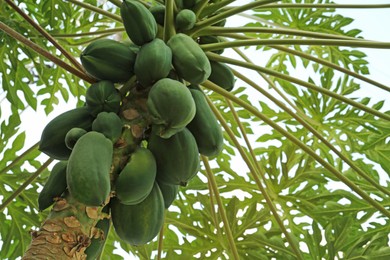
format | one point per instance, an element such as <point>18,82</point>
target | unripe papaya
<point>102,96</point>
<point>169,193</point>
<point>189,60</point>
<point>140,25</point>
<point>185,20</point>
<point>138,224</point>
<point>53,135</point>
<point>210,39</point>
<point>107,59</point>
<point>95,249</point>
<point>205,127</point>
<point>171,105</point>
<point>177,157</point>
<point>136,180</point>
<point>73,135</point>
<point>109,124</point>
<point>54,186</point>
<point>158,13</point>
<point>88,171</point>
<point>154,62</point>
<point>222,75</point>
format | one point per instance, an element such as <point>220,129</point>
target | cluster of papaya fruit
<point>180,124</point>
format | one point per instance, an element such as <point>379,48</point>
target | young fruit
<point>109,124</point>
<point>185,20</point>
<point>171,105</point>
<point>102,96</point>
<point>107,59</point>
<point>53,135</point>
<point>88,171</point>
<point>73,135</point>
<point>136,180</point>
<point>222,75</point>
<point>158,13</point>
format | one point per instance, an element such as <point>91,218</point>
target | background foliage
<point>267,191</point>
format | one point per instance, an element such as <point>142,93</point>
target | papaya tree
<point>176,129</point>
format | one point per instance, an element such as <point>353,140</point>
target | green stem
<point>17,36</point>
<point>319,135</point>
<point>45,34</point>
<point>73,35</point>
<point>210,9</point>
<point>304,147</point>
<point>215,57</point>
<point>25,184</point>
<point>89,40</point>
<point>199,7</point>
<point>221,208</point>
<point>160,240</point>
<point>351,6</point>
<point>118,3</point>
<point>97,10</point>
<point>169,20</point>
<point>19,158</point>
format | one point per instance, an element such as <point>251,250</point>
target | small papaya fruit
<point>53,135</point>
<point>107,59</point>
<point>88,171</point>
<point>169,193</point>
<point>102,96</point>
<point>140,25</point>
<point>171,105</point>
<point>140,223</point>
<point>222,75</point>
<point>185,20</point>
<point>189,60</point>
<point>210,39</point>
<point>153,62</point>
<point>54,186</point>
<point>158,13</point>
<point>136,180</point>
<point>109,124</point>
<point>73,135</point>
<point>177,157</point>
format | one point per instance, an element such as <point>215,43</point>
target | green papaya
<point>158,13</point>
<point>205,127</point>
<point>177,157</point>
<point>171,105</point>
<point>136,180</point>
<point>185,20</point>
<point>222,75</point>
<point>189,60</point>
<point>53,135</point>
<point>138,224</point>
<point>210,39</point>
<point>169,193</point>
<point>153,62</point>
<point>94,250</point>
<point>88,171</point>
<point>140,25</point>
<point>54,186</point>
<point>102,96</point>
<point>109,124</point>
<point>73,135</point>
<point>107,59</point>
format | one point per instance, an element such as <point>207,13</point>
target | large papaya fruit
<point>169,193</point>
<point>95,249</point>
<point>205,127</point>
<point>88,171</point>
<point>54,186</point>
<point>185,20</point>
<point>140,25</point>
<point>53,135</point>
<point>177,157</point>
<point>171,105</point>
<point>189,60</point>
<point>136,180</point>
<point>109,124</point>
<point>102,96</point>
<point>222,75</point>
<point>107,59</point>
<point>153,62</point>
<point>138,224</point>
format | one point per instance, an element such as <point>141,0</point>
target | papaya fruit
<point>54,186</point>
<point>158,13</point>
<point>171,105</point>
<point>222,75</point>
<point>204,127</point>
<point>140,25</point>
<point>169,193</point>
<point>102,96</point>
<point>136,180</point>
<point>94,250</point>
<point>73,135</point>
<point>88,171</point>
<point>106,59</point>
<point>53,135</point>
<point>210,39</point>
<point>185,20</point>
<point>153,62</point>
<point>109,124</point>
<point>189,60</point>
<point>177,157</point>
<point>140,223</point>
